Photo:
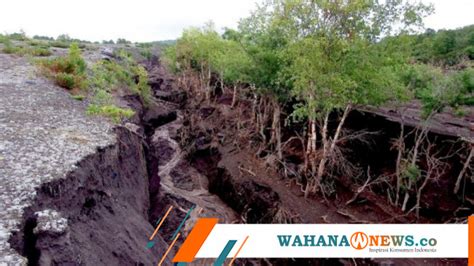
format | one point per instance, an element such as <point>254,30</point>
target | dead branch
<point>463,170</point>
<point>352,217</point>
<point>247,171</point>
<point>360,189</point>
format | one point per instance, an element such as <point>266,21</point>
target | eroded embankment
<point>173,180</point>
<point>103,211</point>
<point>104,203</point>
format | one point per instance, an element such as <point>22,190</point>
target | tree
<point>123,41</point>
<point>233,66</point>
<point>338,61</point>
<point>197,49</point>
<point>265,44</point>
<point>63,38</point>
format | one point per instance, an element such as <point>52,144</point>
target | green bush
<point>142,88</point>
<point>113,112</point>
<point>8,46</point>
<point>65,80</point>
<point>59,44</point>
<point>68,71</point>
<point>39,51</point>
<point>9,49</point>
<point>146,52</point>
<point>18,36</point>
<point>126,74</point>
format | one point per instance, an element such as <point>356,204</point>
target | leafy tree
<point>337,62</point>
<point>123,41</point>
<point>64,38</point>
<point>233,66</point>
<point>198,49</point>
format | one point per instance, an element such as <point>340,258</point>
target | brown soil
<point>219,148</point>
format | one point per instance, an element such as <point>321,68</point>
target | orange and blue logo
<point>194,241</point>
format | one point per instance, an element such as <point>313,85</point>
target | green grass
<point>111,111</point>
<point>59,44</point>
<point>34,48</point>
<point>39,51</point>
<point>110,76</point>
<point>105,78</point>
<point>78,97</point>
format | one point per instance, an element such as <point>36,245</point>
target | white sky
<point>149,20</point>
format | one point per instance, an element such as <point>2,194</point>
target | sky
<point>151,20</point>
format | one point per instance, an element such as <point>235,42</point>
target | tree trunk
<point>234,96</point>
<point>222,82</point>
<point>328,146</point>
<point>311,145</point>
<point>339,128</point>
<point>276,130</point>
<point>418,141</point>
<point>254,109</point>
<point>201,78</point>
<point>261,119</point>
<point>401,148</point>
<point>463,171</point>
<point>315,179</point>
<point>209,89</point>
<point>310,155</point>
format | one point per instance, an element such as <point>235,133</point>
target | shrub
<point>9,48</point>
<point>142,88</point>
<point>59,44</point>
<point>113,112</point>
<point>68,71</point>
<point>65,80</point>
<point>146,52</point>
<point>39,51</point>
<point>18,36</point>
<point>110,75</point>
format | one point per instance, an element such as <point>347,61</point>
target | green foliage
<point>445,47</point>
<point>59,44</point>
<point>288,48</point>
<point>66,80</point>
<point>340,62</point>
<point>109,76</point>
<point>412,173</point>
<point>46,38</point>
<point>39,51</point>
<point>123,41</point>
<point>68,71</point>
<point>35,48</point>
<point>18,36</point>
<point>437,89</point>
<point>146,52</point>
<point>113,112</point>
<point>8,46</point>
<point>141,87</point>
<point>78,97</point>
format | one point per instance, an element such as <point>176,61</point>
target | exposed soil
<point>254,188</point>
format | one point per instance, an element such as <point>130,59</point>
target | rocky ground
<point>44,134</point>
